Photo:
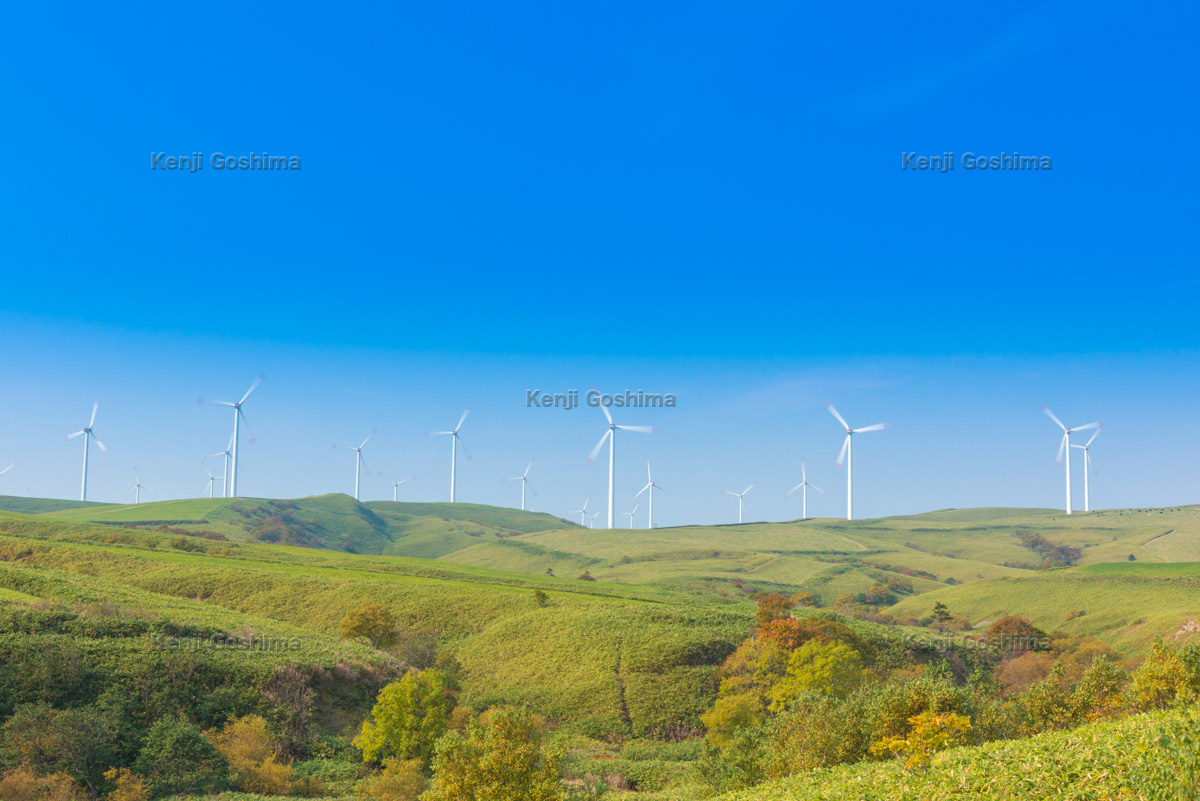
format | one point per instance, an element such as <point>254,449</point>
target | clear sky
<point>701,199</point>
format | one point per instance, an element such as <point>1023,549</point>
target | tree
<point>400,780</point>
<point>773,606</point>
<point>499,758</point>
<point>23,784</point>
<point>408,718</point>
<point>75,742</point>
<point>833,669</point>
<point>249,748</point>
<point>1162,681</point>
<point>730,714</point>
<point>372,622</point>
<point>126,786</point>
<point>177,759</point>
<point>1015,635</point>
<point>941,614</point>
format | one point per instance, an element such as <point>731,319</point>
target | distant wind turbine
<point>582,511</point>
<point>592,519</point>
<point>138,486</point>
<point>524,479</point>
<point>804,485</point>
<point>239,417</point>
<point>1087,468</point>
<point>5,470</point>
<point>740,496</point>
<point>630,514</point>
<point>1064,453</point>
<point>358,460</point>
<point>847,455</point>
<point>225,455</point>
<point>611,436</point>
<point>211,479</point>
<point>88,436</point>
<point>651,488</point>
<point>396,485</point>
<point>455,441</point>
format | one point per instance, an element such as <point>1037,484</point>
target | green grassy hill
<point>36,506</point>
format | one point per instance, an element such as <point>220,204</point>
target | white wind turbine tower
<point>1087,468</point>
<point>804,485</point>
<point>225,454</point>
<point>455,441</point>
<point>651,488</point>
<point>1064,453</point>
<point>740,496</point>
<point>239,417</point>
<point>847,455</point>
<point>358,459</point>
<point>611,436</point>
<point>582,511</point>
<point>630,514</point>
<point>211,479</point>
<point>88,435</point>
<point>524,479</point>
<point>396,485</point>
<point>138,486</point>
<point>592,519</point>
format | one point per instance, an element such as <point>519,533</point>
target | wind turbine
<point>592,519</point>
<point>396,485</point>
<point>138,486</point>
<point>524,479</point>
<point>611,436</point>
<point>739,496</point>
<point>88,435</point>
<point>631,514</point>
<point>650,487</point>
<point>847,455</point>
<point>1064,453</point>
<point>582,511</point>
<point>455,441</point>
<point>1087,468</point>
<point>239,417</point>
<point>212,480</point>
<point>225,466</point>
<point>804,484</point>
<point>358,459</point>
<point>5,470</point>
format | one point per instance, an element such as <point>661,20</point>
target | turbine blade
<point>1093,439</point>
<point>74,435</point>
<point>658,488</point>
<point>95,406</point>
<point>818,489</point>
<point>731,492</point>
<point>368,439</point>
<point>214,402</point>
<point>1050,414</point>
<point>840,419</point>
<point>253,387</point>
<point>1089,425</point>
<point>527,468</point>
<point>747,489</point>
<point>1062,446</point>
<point>596,450</point>
<point>462,419</point>
<point>437,433</point>
<point>10,467</point>
<point>803,471</point>
<point>876,427</point>
<point>639,429</point>
<point>607,413</point>
<point>648,478</point>
<point>842,453</point>
<point>788,494</point>
<point>99,444</point>
<point>466,452</point>
<point>643,489</point>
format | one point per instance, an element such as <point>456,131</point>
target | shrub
<point>22,784</point>
<point>540,598</point>
<point>833,669</point>
<point>772,606</point>
<point>931,732</point>
<point>372,622</point>
<point>126,786</point>
<point>400,780</point>
<point>1162,681</point>
<point>249,750</point>
<point>730,714</point>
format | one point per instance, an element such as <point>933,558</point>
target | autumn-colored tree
<point>879,595</point>
<point>1019,674</point>
<point>773,606</point>
<point>1015,635</point>
<point>126,786</point>
<point>372,622</point>
<point>805,599</point>
<point>249,748</point>
<point>400,780</point>
<point>408,718</point>
<point>23,784</point>
<point>931,732</point>
<point>1162,681</point>
<point>753,668</point>
<point>1098,693</point>
<point>499,758</point>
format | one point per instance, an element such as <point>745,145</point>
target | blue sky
<point>698,199</point>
